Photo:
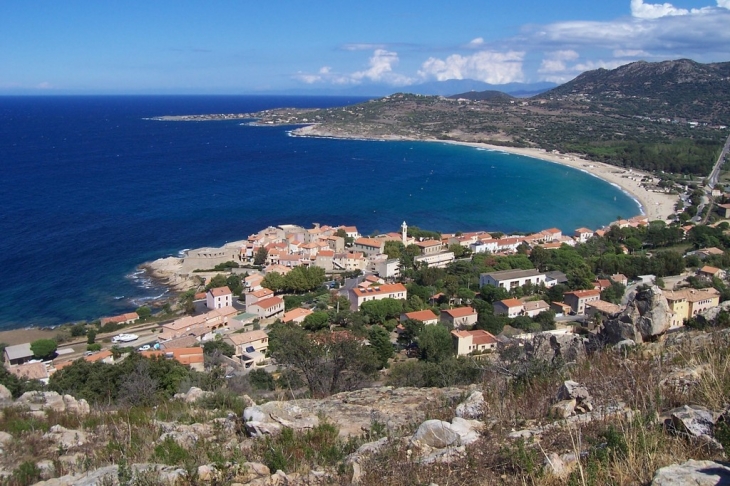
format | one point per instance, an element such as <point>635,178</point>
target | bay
<point>90,189</point>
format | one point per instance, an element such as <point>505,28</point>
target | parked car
<point>146,347</point>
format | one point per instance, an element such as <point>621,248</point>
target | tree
<point>235,284</point>
<point>144,312</point>
<point>44,348</point>
<point>380,342</point>
<point>218,281</point>
<point>91,336</point>
<point>259,258</point>
<point>218,346</point>
<point>393,248</point>
<point>316,321</point>
<point>330,362</point>
<point>435,344</point>
<point>381,310</point>
<point>273,281</point>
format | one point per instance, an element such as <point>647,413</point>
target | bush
<point>44,348</point>
<point>261,380</point>
<point>93,347</point>
<point>26,474</point>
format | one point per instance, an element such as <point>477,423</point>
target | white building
<point>358,296</point>
<point>510,279</point>
<point>218,298</point>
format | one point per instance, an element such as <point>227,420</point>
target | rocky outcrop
<point>550,347</point>
<point>64,438</point>
<point>472,407</point>
<point>192,395</point>
<point>352,412</point>
<point>49,400</point>
<point>696,473</point>
<point>5,395</point>
<point>645,317</point>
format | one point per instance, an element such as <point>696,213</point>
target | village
<point>357,270</point>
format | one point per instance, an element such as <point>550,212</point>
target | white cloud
<point>362,47</point>
<point>479,41</point>
<point>555,67</point>
<point>488,66</point>
<point>380,70</point>
<point>723,4</point>
<point>45,85</point>
<point>643,10</point>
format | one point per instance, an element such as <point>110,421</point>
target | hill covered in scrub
<point>669,116</point>
<point>546,413</point>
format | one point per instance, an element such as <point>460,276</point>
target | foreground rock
<point>49,400</point>
<point>695,473</point>
<point>550,347</point>
<point>352,412</point>
<point>645,317</point>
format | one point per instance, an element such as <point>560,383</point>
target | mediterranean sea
<point>90,189</point>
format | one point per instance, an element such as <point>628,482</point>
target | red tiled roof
<point>460,312</point>
<point>424,315</point>
<point>220,291</point>
<point>382,289</point>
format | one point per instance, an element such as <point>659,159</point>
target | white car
<point>124,338</point>
<point>146,347</point>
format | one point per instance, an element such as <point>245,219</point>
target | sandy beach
<point>656,206</point>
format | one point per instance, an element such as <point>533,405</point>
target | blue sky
<point>232,47</point>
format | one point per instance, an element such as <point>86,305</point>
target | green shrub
<point>171,453</point>
<point>26,474</point>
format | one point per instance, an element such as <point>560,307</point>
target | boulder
<point>66,438</point>
<point>5,395</point>
<point>559,466</point>
<point>549,347</point>
<point>472,407</point>
<point>468,430</point>
<point>48,400</point>
<point>693,420</point>
<point>696,473</point>
<point>193,395</point>
<point>436,433</point>
<point>646,316</point>
<point>563,409</point>
<point>572,389</point>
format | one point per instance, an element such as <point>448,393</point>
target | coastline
<point>654,205</point>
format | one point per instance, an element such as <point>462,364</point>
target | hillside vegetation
<point>668,116</point>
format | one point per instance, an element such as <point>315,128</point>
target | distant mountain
<point>435,88</point>
<point>489,95</point>
<point>672,89</point>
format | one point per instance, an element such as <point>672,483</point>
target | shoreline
<point>653,205</point>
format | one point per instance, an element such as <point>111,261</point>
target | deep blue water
<point>90,189</point>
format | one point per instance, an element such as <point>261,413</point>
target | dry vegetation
<point>624,448</point>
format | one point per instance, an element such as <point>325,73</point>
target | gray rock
<point>625,344</point>
<point>193,395</point>
<point>436,433</point>
<point>5,395</point>
<point>48,400</point>
<point>259,429</point>
<point>549,347</point>
<point>695,473</point>
<point>559,466</point>
<point>5,438</point>
<point>468,430</point>
<point>472,407</point>
<point>573,390</point>
<point>444,456</point>
<point>367,449</point>
<point>693,420</point>
<point>66,438</point>
<point>646,316</point>
<point>563,409</point>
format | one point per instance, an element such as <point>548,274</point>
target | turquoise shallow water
<point>90,189</point>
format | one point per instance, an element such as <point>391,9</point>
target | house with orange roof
<point>578,299</point>
<point>253,297</point>
<point>369,246</point>
<point>351,231</point>
<point>219,297</point>
<point>358,296</point>
<point>250,347</point>
<point>508,307</point>
<point>429,247</point>
<point>619,278</point>
<point>200,326</point>
<point>296,316</point>
<point>484,245</point>
<point>532,308</point>
<point>271,307</point>
<point>192,357</point>
<point>349,261</point>
<point>128,318</point>
<point>601,284</point>
<point>252,283</point>
<point>468,342</point>
<point>290,261</point>
<point>31,371</point>
<point>583,234</point>
<point>459,316</point>
<point>325,260</point>
<point>427,317</point>
<point>707,272</point>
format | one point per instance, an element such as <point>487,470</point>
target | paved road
<point>713,179</point>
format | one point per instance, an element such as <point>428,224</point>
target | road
<point>713,179</point>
